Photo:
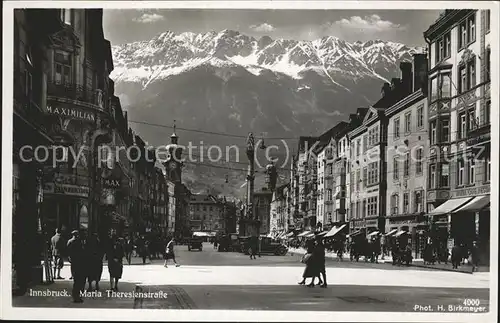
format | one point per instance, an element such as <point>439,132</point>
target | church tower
<point>173,165</point>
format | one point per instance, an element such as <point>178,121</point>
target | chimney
<point>386,89</point>
<point>419,72</point>
<point>395,83</point>
<point>406,76</point>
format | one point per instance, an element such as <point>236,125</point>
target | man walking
<point>76,257</point>
<point>58,244</point>
<point>474,256</point>
<point>456,256</point>
<point>253,245</point>
<point>169,253</point>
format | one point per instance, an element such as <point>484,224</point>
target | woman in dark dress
<point>115,262</point>
<point>94,261</point>
<point>311,270</point>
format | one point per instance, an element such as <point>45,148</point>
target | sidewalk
<point>415,263</point>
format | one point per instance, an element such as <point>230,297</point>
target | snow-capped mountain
<point>169,54</point>
<point>232,83</point>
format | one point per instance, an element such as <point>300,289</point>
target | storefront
<point>467,219</point>
<point>416,228</point>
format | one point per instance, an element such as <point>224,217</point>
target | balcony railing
<point>77,92</point>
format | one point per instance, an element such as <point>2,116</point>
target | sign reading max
<point>74,113</point>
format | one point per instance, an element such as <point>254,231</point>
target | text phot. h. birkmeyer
<point>329,161</point>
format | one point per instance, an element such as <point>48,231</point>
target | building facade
<point>459,127</point>
<point>406,156</point>
<point>206,213</point>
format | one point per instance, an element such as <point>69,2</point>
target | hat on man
<point>74,232</point>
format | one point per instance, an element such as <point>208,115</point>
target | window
<point>488,64</point>
<point>472,120</point>
<point>406,203</point>
<point>471,25</point>
<point>460,172</point>
<point>441,86</point>
<point>445,175</point>
<point>358,179</point>
<point>419,201</point>
<point>373,136</point>
<point>487,20</point>
<point>487,169</point>
<point>395,174</point>
<point>445,130</point>
<point>396,128</point>
<point>487,112</point>
<point>408,122</point>
<point>420,117</point>
<point>443,47</point>
<point>433,132</point>
<point>406,165</point>
<point>447,45</point>
<point>462,38</point>
<point>359,212</point>
<point>419,160</point>
<point>358,147</point>
<point>62,67</point>
<point>365,176</point>
<point>373,173</point>
<point>472,171</point>
<point>462,125</point>
<point>432,176</point>
<point>66,16</point>
<point>471,74</point>
<point>395,204</point>
<point>462,81</point>
<point>372,206</point>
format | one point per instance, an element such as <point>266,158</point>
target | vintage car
<point>267,246</point>
<point>195,243</point>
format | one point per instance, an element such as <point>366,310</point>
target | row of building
<point>76,162</point>
<point>417,160</point>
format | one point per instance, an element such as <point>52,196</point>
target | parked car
<point>195,243</point>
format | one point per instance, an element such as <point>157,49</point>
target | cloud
<point>265,27</point>
<point>368,23</point>
<point>147,18</point>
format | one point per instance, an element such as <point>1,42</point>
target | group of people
<point>86,255</point>
<point>314,259</point>
<point>459,253</point>
<point>367,247</point>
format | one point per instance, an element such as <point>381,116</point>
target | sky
<point>402,26</point>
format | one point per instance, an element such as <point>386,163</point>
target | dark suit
<point>76,255</point>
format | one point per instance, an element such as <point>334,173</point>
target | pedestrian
<point>456,256</point>
<point>319,259</point>
<point>94,255</point>
<point>129,248</point>
<point>58,244</point>
<point>116,253</point>
<point>169,253</point>
<point>474,256</point>
<point>142,249</point>
<point>76,256</point>
<point>253,246</point>
<point>311,270</point>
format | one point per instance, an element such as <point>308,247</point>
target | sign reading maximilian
<point>71,112</point>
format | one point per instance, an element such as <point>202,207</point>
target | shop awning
<point>288,235</point>
<point>399,233</point>
<point>201,234</point>
<point>374,233</point>
<point>478,203</point>
<point>391,232</point>
<point>322,233</point>
<point>450,206</point>
<point>304,233</point>
<point>334,231</point>
<point>310,235</point>
<point>354,234</point>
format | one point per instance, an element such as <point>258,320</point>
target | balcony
<point>77,92</point>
